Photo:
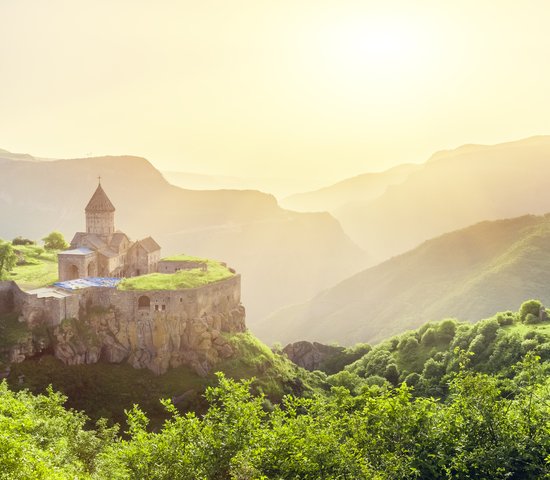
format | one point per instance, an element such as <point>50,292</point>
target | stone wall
<point>49,311</point>
<point>173,328</point>
<point>156,329</point>
<point>6,297</point>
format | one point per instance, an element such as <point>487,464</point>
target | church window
<point>144,302</point>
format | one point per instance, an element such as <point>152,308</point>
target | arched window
<point>73,272</point>
<point>144,302</point>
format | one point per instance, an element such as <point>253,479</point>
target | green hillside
<point>467,274</point>
<point>106,390</point>
<point>35,267</point>
<point>448,400</point>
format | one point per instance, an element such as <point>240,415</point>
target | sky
<point>311,90</point>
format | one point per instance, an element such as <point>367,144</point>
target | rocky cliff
<point>158,329</point>
<point>156,344</point>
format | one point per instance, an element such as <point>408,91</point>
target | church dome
<point>100,202</point>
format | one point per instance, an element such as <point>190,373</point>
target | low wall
<point>165,266</point>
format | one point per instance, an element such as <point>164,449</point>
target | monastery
<point>86,318</point>
<point>102,251</point>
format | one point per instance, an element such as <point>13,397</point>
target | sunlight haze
<point>309,90</point>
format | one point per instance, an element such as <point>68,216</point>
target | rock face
<point>154,343</point>
<point>310,355</point>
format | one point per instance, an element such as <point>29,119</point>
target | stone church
<point>102,251</point>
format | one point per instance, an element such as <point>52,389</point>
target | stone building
<point>102,251</point>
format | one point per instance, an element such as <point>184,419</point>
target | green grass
<point>39,269</point>
<point>522,328</point>
<point>183,279</point>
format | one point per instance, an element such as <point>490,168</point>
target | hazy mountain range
<point>361,188</point>
<point>468,274</point>
<point>391,212</point>
<point>284,257</point>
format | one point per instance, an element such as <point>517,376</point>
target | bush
<point>529,307</point>
<point>505,318</point>
<point>22,241</point>
<point>531,319</point>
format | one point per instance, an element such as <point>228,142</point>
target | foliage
<point>426,358</point>
<point>55,241</point>
<point>8,259</point>
<point>472,402</point>
<point>531,307</point>
<point>379,433</point>
<point>22,241</point>
<point>12,331</point>
<point>39,439</point>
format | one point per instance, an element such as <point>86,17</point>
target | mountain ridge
<point>467,274</point>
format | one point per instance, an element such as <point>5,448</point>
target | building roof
<point>77,251</point>
<point>90,240</point>
<point>46,292</point>
<point>117,240</point>
<point>80,283</point>
<point>149,245</point>
<point>100,202</point>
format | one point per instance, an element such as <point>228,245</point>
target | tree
<point>8,258</point>
<point>55,241</point>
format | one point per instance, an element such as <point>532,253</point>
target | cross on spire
<point>99,179</point>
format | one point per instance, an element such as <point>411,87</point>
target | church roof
<point>100,202</point>
<point>149,245</point>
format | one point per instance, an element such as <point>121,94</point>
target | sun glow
<point>378,52</point>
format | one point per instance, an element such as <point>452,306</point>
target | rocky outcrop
<point>310,356</point>
<point>158,342</point>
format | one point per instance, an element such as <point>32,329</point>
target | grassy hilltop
<point>196,277</point>
<point>35,268</point>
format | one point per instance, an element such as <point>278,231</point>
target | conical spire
<point>100,201</point>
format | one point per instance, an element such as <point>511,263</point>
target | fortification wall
<point>50,311</point>
<point>6,297</point>
<point>156,329</point>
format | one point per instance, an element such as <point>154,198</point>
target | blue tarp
<point>79,283</point>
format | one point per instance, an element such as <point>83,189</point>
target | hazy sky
<point>287,88</point>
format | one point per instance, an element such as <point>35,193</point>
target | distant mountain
<point>364,188</point>
<point>285,257</point>
<point>468,274</point>
<point>196,181</point>
<point>452,190</point>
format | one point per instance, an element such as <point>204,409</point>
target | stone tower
<point>100,214</point>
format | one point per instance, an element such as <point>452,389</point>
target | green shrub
<point>531,319</point>
<point>529,307</point>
